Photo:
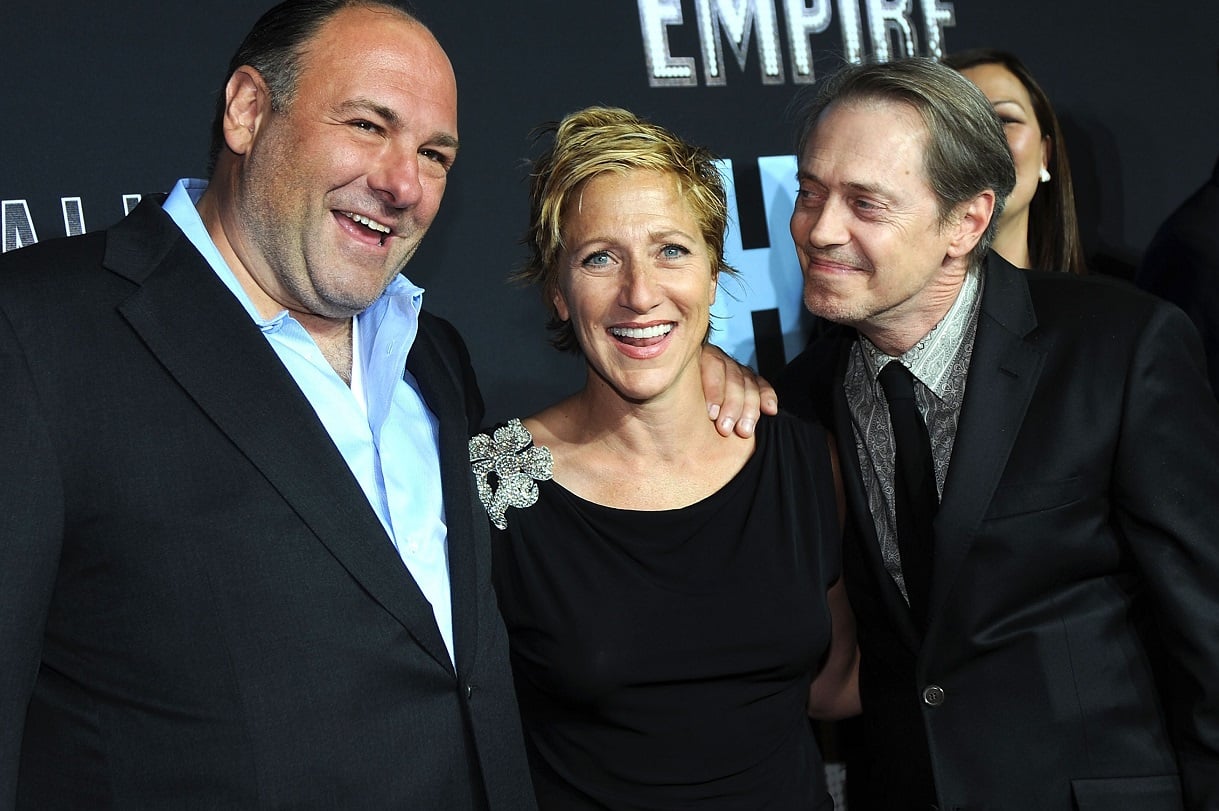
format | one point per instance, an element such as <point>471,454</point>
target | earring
<point>1045,175</point>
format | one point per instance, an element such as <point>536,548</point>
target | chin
<point>821,306</point>
<point>837,312</point>
<point>632,386</point>
<point>355,299</point>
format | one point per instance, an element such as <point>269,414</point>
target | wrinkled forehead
<point>863,123</point>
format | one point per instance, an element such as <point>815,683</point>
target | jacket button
<point>469,691</point>
<point>933,695</point>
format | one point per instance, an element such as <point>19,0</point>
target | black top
<point>662,658</point>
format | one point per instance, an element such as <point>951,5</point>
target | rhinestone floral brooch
<point>509,454</point>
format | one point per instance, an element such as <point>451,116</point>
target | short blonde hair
<point>594,141</point>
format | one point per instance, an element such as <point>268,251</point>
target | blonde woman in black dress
<point>671,594</point>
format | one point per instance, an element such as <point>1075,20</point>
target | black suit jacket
<point>1182,265</point>
<point>1072,655</point>
<point>198,607</point>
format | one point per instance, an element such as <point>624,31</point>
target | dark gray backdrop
<point>114,98</point>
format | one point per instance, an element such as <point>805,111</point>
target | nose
<point>640,293</point>
<point>823,226</point>
<point>396,178</point>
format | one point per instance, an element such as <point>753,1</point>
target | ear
<point>715,285</point>
<point>560,304</point>
<point>1047,151</point>
<point>972,218</point>
<point>247,101</point>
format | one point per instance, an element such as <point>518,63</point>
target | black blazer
<point>1182,265</point>
<point>198,607</point>
<point>1072,655</point>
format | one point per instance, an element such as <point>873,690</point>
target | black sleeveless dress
<point>662,659</point>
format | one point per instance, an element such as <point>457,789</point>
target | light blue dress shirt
<point>380,424</point>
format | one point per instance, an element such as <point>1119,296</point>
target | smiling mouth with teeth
<point>654,331</point>
<point>372,225</point>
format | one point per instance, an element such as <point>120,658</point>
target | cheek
<point>577,297</point>
<point>433,190</point>
<point>799,225</point>
<point>1025,149</point>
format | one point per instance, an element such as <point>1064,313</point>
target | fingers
<point>769,397</point>
<point>736,397</point>
<point>739,406</point>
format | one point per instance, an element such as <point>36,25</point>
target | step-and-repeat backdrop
<point>105,102</point>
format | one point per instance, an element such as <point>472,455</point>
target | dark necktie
<point>915,498</point>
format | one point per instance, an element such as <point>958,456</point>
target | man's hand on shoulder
<point>736,396</point>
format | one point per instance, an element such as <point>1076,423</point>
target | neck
<point>332,335</point>
<point>897,330</point>
<point>671,428</point>
<point>1012,240</point>
<point>333,339</point>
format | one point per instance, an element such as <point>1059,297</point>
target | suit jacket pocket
<point>1030,497</point>
<point>1157,793</point>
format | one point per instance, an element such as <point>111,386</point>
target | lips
<point>365,228</point>
<point>641,336</point>
<point>653,331</point>
<point>826,265</point>
<point>367,222</point>
<point>642,341</point>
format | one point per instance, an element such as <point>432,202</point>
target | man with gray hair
<point>1029,462</point>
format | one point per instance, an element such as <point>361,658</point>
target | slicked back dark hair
<point>966,152</point>
<point>275,46</point>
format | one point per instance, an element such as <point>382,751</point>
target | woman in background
<point>667,591</point>
<point>1038,228</point>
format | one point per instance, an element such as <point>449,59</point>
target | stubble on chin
<point>835,308</point>
<point>341,295</point>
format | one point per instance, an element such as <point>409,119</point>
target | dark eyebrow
<point>871,188</point>
<point>364,105</point>
<point>444,139</point>
<point>865,188</point>
<point>390,117</point>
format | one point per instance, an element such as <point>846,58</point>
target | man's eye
<point>436,157</point>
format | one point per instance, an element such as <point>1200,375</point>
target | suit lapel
<point>1003,375</point>
<point>205,340</point>
<point>437,376</point>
